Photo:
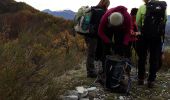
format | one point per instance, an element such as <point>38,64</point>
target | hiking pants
<point>148,46</point>
<point>91,51</point>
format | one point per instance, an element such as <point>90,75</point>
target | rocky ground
<point>68,82</point>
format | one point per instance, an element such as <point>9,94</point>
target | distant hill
<point>19,16</point>
<point>66,14</point>
<point>10,6</point>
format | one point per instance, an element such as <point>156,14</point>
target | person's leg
<point>155,49</point>
<point>99,50</point>
<point>91,46</point>
<point>160,61</point>
<point>128,51</point>
<point>160,57</point>
<point>142,54</point>
<point>105,51</point>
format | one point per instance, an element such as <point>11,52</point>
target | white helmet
<point>116,19</point>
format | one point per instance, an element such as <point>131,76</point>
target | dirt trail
<point>70,80</point>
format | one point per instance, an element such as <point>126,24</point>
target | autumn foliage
<point>34,49</point>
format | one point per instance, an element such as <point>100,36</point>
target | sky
<point>75,4</point>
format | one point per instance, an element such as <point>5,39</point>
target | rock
<point>71,92</point>
<point>91,89</point>
<point>71,97</point>
<point>82,91</point>
<point>121,98</point>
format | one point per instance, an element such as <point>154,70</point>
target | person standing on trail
<point>134,33</point>
<point>151,18</point>
<point>93,42</point>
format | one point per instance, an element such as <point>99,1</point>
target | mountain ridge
<point>66,14</point>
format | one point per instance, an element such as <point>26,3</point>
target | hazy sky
<point>75,4</point>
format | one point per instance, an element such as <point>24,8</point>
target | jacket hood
<point>121,8</point>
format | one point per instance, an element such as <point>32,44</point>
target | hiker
<point>93,41</point>
<point>151,19</point>
<point>115,29</point>
<point>134,33</point>
<point>116,24</point>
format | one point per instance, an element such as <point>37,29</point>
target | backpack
<point>87,20</point>
<point>154,25</point>
<point>117,74</point>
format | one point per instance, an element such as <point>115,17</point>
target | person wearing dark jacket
<point>93,42</point>
<point>147,43</point>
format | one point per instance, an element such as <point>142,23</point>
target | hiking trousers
<point>153,47</point>
<point>91,51</point>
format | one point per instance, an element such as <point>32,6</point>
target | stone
<point>71,92</point>
<point>83,92</point>
<point>91,89</point>
<point>71,97</point>
<point>121,98</point>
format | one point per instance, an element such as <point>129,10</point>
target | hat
<point>104,3</point>
<point>116,19</point>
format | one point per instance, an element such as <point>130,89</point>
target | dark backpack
<point>117,74</point>
<point>87,21</point>
<point>96,16</point>
<point>154,25</point>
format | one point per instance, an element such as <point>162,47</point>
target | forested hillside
<point>34,48</point>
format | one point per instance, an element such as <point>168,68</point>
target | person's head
<point>146,1</point>
<point>116,19</point>
<point>134,11</point>
<point>104,3</point>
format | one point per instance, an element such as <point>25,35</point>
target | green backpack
<point>82,20</point>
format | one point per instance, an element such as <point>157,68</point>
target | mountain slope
<point>66,14</point>
<point>34,48</point>
<point>19,16</point>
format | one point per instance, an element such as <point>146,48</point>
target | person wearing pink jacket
<point>115,30</point>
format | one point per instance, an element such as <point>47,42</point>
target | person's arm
<point>128,28</point>
<point>139,19</point>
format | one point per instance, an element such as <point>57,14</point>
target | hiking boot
<point>151,84</point>
<point>140,82</point>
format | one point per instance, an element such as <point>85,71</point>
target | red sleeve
<point>128,28</point>
<point>103,23</point>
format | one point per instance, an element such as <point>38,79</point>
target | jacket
<point>141,16</point>
<point>104,30</point>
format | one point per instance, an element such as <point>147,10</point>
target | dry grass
<point>33,60</point>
